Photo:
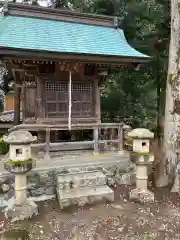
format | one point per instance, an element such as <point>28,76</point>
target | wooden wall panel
<point>30,103</point>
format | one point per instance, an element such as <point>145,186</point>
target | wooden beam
<point>81,58</point>
<point>65,146</point>
<point>96,138</point>
<point>70,99</point>
<point>5,125</point>
<point>47,147</point>
<point>23,102</point>
<point>17,99</point>
<point>120,138</point>
<point>17,103</point>
<point>40,99</point>
<point>54,127</point>
<point>22,67</point>
<point>97,101</point>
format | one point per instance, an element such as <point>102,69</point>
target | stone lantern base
<point>20,212</point>
<point>142,196</point>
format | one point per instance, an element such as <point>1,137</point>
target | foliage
<point>133,102</point>
<point>5,85</point>
<point>4,147</point>
<point>139,95</point>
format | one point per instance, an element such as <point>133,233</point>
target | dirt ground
<point>119,220</point>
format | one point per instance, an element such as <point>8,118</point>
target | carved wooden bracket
<point>74,67</point>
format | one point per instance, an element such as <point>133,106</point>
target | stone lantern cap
<point>141,133</point>
<point>19,137</point>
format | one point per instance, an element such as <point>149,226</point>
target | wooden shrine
<point>59,59</point>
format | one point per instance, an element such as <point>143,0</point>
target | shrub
<point>4,147</point>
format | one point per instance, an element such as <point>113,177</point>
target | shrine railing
<point>95,144</point>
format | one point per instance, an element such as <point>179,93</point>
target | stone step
<point>77,180</point>
<point>84,196</point>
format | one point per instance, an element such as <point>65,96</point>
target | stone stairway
<point>81,188</point>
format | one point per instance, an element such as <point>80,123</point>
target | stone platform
<point>65,161</point>
<point>80,188</point>
<point>42,178</point>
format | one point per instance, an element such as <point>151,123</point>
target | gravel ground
<point>120,220</point>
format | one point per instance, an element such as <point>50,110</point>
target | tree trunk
<point>172,109</point>
<point>158,123</point>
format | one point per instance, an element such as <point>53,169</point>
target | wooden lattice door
<point>57,99</point>
<point>81,99</point>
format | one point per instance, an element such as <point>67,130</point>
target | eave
<point>59,56</point>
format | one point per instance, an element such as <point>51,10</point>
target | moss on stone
<point>143,154</point>
<point>28,161</point>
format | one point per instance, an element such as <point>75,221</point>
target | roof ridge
<point>55,10</point>
<point>15,9</point>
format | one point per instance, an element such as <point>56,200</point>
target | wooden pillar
<point>112,133</point>
<point>97,102</point>
<point>96,138</point>
<point>105,138</point>
<point>17,104</point>
<point>23,103</point>
<point>70,99</point>
<point>41,136</point>
<point>40,111</point>
<point>47,147</point>
<point>41,100</point>
<point>120,138</point>
<point>112,137</point>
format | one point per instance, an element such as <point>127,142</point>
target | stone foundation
<point>117,176</point>
<point>20,212</point>
<point>41,185</point>
<point>142,196</point>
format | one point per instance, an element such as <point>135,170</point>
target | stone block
<point>142,196</point>
<point>82,188</point>
<point>126,179</point>
<point>81,179</point>
<point>38,191</point>
<point>46,178</point>
<point>82,197</point>
<point>5,187</point>
<point>50,190</point>
<point>3,202</point>
<point>20,212</point>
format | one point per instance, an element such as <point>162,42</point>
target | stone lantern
<point>19,162</point>
<point>141,141</point>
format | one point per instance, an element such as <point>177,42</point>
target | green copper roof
<point>63,37</point>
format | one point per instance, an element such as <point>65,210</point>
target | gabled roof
<point>64,35</point>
